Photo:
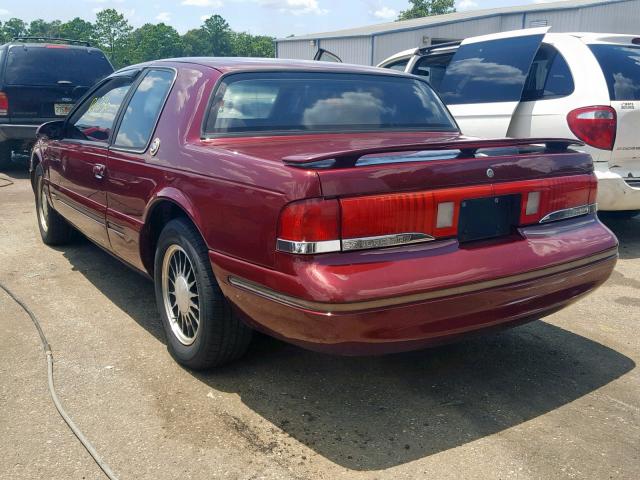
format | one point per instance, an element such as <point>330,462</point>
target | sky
<point>278,18</point>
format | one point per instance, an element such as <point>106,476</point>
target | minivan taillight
<point>595,126</point>
<point>4,104</point>
<point>375,221</point>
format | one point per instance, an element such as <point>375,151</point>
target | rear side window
<point>400,65</point>
<point>54,65</point>
<point>143,110</point>
<point>621,67</point>
<point>298,102</point>
<point>549,76</point>
<point>433,68</point>
<point>489,71</point>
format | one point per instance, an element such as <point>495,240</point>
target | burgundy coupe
<point>336,207</point>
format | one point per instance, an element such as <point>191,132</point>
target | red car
<point>335,207</point>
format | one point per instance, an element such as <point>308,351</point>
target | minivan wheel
<point>200,327</point>
<point>54,229</point>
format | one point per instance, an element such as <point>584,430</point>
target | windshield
<point>621,67</point>
<point>55,65</point>
<point>324,102</point>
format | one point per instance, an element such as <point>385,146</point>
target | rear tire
<point>5,155</point>
<point>201,330</point>
<point>54,229</point>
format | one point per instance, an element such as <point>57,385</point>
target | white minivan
<point>532,83</point>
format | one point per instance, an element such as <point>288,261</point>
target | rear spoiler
<point>468,148</point>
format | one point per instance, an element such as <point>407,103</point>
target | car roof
<point>242,64</point>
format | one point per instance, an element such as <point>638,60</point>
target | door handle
<point>99,171</point>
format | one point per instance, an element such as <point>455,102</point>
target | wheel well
<point>163,212</point>
<point>35,161</point>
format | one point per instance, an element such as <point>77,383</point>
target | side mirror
<point>52,130</point>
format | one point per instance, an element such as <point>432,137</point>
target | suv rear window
<point>549,77</point>
<point>621,67</point>
<point>50,65</point>
<point>294,102</point>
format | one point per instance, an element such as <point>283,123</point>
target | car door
<point>132,175</point>
<point>79,160</point>
<point>483,83</point>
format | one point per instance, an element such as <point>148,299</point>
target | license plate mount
<point>489,217</point>
<point>62,109</point>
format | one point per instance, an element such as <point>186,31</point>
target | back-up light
<point>595,126</point>
<point>4,104</point>
<point>374,221</point>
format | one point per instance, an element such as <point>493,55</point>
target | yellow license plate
<point>62,108</point>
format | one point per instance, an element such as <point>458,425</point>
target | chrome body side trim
<point>307,248</point>
<point>363,243</point>
<point>329,308</point>
<point>570,212</point>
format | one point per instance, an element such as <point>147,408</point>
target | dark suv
<point>40,80</point>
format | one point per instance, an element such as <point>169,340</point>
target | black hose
<point>56,401</point>
<point>7,182</point>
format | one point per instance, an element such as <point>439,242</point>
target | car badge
<point>490,173</point>
<point>155,146</point>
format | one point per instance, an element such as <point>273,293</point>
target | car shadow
<point>371,413</point>
<point>628,232</point>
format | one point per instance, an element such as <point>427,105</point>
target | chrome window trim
<point>570,213</point>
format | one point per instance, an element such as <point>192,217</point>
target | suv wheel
<point>201,330</point>
<point>54,229</point>
<point>5,154</point>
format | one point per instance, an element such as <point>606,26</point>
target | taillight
<point>374,221</point>
<point>4,104</point>
<point>595,126</point>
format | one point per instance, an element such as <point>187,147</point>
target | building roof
<point>450,18</point>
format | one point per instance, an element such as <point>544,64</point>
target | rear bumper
<point>614,193</point>
<point>9,131</point>
<point>376,302</point>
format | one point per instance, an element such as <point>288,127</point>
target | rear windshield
<point>55,65</point>
<point>324,102</point>
<point>621,67</point>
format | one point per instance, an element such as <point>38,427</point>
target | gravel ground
<point>558,398</point>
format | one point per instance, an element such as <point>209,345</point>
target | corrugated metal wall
<point>613,18</point>
<point>301,50</point>
<point>350,50</point>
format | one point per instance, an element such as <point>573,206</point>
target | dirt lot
<point>558,398</point>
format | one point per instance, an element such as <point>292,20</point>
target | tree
<point>42,28</point>
<point>196,43</point>
<point>246,45</point>
<point>426,8</point>
<point>112,32</point>
<point>14,27</point>
<point>150,42</point>
<point>78,29</point>
<point>218,33</point>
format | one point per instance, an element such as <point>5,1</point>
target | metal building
<point>371,44</point>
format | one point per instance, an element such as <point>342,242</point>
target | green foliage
<point>123,45</point>
<point>426,8</point>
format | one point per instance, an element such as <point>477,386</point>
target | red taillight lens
<point>595,126</point>
<point>310,221</point>
<point>4,104</point>
<point>378,215</point>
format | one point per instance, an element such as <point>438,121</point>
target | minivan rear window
<point>621,67</point>
<point>299,102</point>
<point>55,64</point>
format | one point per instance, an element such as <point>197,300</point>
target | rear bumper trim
<point>327,308</point>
